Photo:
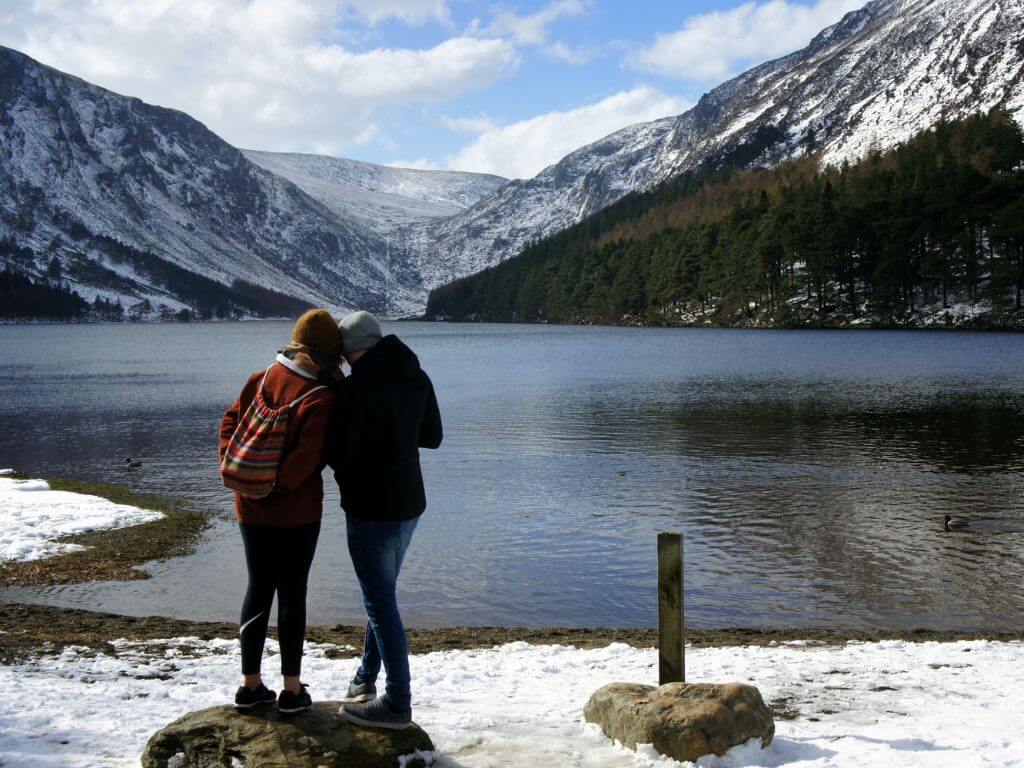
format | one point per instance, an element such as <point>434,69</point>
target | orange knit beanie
<point>318,330</point>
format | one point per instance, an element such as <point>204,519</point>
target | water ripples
<point>808,471</point>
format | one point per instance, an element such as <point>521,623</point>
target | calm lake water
<point>808,471</point>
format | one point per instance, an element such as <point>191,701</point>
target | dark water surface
<point>809,471</point>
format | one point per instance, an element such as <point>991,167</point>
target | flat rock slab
<point>221,737</point>
<point>684,721</point>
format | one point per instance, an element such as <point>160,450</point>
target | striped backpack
<point>255,450</point>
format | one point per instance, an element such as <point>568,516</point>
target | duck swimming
<point>952,524</point>
<point>129,463</point>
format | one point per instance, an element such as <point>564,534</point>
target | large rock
<point>220,737</point>
<point>682,720</point>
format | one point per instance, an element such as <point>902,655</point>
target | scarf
<point>303,361</point>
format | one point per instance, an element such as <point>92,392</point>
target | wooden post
<point>671,661</point>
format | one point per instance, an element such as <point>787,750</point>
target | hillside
<point>89,173</point>
<point>105,199</point>
<point>877,77</point>
<point>931,232</point>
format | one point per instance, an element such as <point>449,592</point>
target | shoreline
<point>111,554</point>
<point>1016,326</point>
<point>31,630</point>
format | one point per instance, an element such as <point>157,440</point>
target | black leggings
<point>278,560</point>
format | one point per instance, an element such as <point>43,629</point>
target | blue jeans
<point>377,550</point>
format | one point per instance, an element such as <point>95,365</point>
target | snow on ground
<point>33,517</point>
<point>863,704</point>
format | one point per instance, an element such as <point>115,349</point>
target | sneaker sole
<point>360,699</point>
<point>375,724</point>
<point>244,707</point>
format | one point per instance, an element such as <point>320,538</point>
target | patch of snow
<point>33,517</point>
<point>860,705</point>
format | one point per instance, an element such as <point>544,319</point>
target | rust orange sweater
<point>298,495</point>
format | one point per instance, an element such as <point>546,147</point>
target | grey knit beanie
<point>360,330</point>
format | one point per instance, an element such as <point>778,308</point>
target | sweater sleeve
<point>431,431</point>
<point>307,456</point>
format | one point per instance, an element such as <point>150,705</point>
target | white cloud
<point>261,73</point>
<point>477,124</point>
<point>409,11</point>
<point>576,55</point>
<point>532,29</point>
<point>522,149</point>
<point>711,46</point>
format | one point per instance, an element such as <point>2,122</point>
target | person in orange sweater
<point>280,529</point>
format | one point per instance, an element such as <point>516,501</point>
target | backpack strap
<point>264,379</point>
<point>303,396</point>
<point>297,400</point>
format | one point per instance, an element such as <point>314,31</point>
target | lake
<point>808,471</point>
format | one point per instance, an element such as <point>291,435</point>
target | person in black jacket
<point>385,412</point>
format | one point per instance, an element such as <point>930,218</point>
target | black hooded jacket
<point>384,413</point>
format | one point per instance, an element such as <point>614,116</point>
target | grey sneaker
<point>377,714</point>
<point>359,692</point>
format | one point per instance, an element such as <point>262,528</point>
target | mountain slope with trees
<point>930,232</point>
<point>873,79</point>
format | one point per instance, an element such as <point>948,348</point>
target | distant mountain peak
<point>383,197</point>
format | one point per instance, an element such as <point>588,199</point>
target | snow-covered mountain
<point>875,78</point>
<point>85,170</point>
<point>379,196</point>
<point>499,225</point>
<point>82,165</point>
<point>137,203</point>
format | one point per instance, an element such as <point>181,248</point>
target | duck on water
<point>953,524</point>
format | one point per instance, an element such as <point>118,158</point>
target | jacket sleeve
<point>346,429</point>
<point>308,454</point>
<point>229,422</point>
<point>431,431</point>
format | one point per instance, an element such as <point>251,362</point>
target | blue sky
<point>474,85</point>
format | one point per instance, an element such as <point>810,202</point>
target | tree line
<point>937,220</point>
<point>31,291</point>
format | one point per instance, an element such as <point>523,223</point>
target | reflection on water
<point>809,471</point>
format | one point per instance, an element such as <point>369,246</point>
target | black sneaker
<point>359,691</point>
<point>377,714</point>
<point>289,703</point>
<point>247,698</point>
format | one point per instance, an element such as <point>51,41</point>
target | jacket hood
<point>388,358</point>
